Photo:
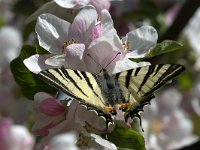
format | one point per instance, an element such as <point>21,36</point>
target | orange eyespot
<point>126,105</point>
<point>109,109</point>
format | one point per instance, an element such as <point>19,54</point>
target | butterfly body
<point>128,91</point>
<point>110,89</point>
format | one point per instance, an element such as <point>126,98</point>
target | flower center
<point>67,43</point>
<point>126,47</point>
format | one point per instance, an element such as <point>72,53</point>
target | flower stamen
<point>126,47</point>
<point>67,43</point>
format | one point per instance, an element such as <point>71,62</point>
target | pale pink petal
<point>36,63</point>
<point>5,125</point>
<point>56,60</point>
<point>62,141</point>
<point>125,64</point>
<point>101,56</point>
<point>104,144</point>
<point>109,32</point>
<point>20,138</point>
<point>96,32</point>
<point>83,24</point>
<point>72,3</point>
<point>51,32</point>
<point>14,137</point>
<point>100,5</point>
<point>51,107</point>
<point>140,41</point>
<point>72,59</point>
<point>53,8</point>
<point>44,121</point>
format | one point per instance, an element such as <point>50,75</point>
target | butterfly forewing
<point>77,84</point>
<point>143,82</point>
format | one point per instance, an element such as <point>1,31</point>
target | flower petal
<point>101,55</point>
<point>63,141</point>
<point>140,41</point>
<point>72,3</point>
<point>83,24</point>
<point>43,121</point>
<point>125,64</point>
<point>103,143</point>
<point>109,31</point>
<point>52,8</point>
<point>20,138</point>
<point>36,63</point>
<point>72,59</point>
<point>100,5</point>
<point>51,32</point>
<point>51,107</point>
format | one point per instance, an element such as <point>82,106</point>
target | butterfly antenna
<point>112,60</point>
<point>95,61</point>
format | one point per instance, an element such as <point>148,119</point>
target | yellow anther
<point>68,42</point>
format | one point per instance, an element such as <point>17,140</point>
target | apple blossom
<point>57,119</point>
<point>11,42</point>
<point>14,137</point>
<point>166,125</point>
<point>89,44</point>
<point>60,8</point>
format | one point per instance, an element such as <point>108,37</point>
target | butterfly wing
<point>141,83</point>
<point>82,86</point>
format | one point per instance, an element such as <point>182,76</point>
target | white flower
<point>74,140</point>
<point>61,7</point>
<point>11,42</point>
<point>14,137</point>
<point>192,32</point>
<point>89,44</point>
<point>167,126</point>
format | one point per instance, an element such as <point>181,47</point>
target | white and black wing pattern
<point>82,86</point>
<point>141,83</point>
<point>77,84</point>
<point>133,89</point>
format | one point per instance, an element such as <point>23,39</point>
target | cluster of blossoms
<point>89,43</point>
<point>166,124</point>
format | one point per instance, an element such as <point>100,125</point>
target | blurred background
<point>173,119</point>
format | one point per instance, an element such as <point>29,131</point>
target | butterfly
<point>129,90</point>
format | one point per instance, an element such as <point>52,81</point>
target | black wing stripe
<point>117,76</point>
<point>77,73</point>
<point>137,71</point>
<point>74,82</point>
<point>89,83</point>
<point>157,69</point>
<point>167,72</point>
<point>51,80</point>
<point>146,77</point>
<point>173,71</point>
<point>128,78</point>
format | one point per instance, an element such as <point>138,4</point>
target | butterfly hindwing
<point>141,83</point>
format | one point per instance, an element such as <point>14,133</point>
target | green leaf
<point>186,81</point>
<point>164,47</point>
<point>161,48</point>
<point>2,22</point>
<point>29,82</point>
<point>126,139</point>
<point>41,50</point>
